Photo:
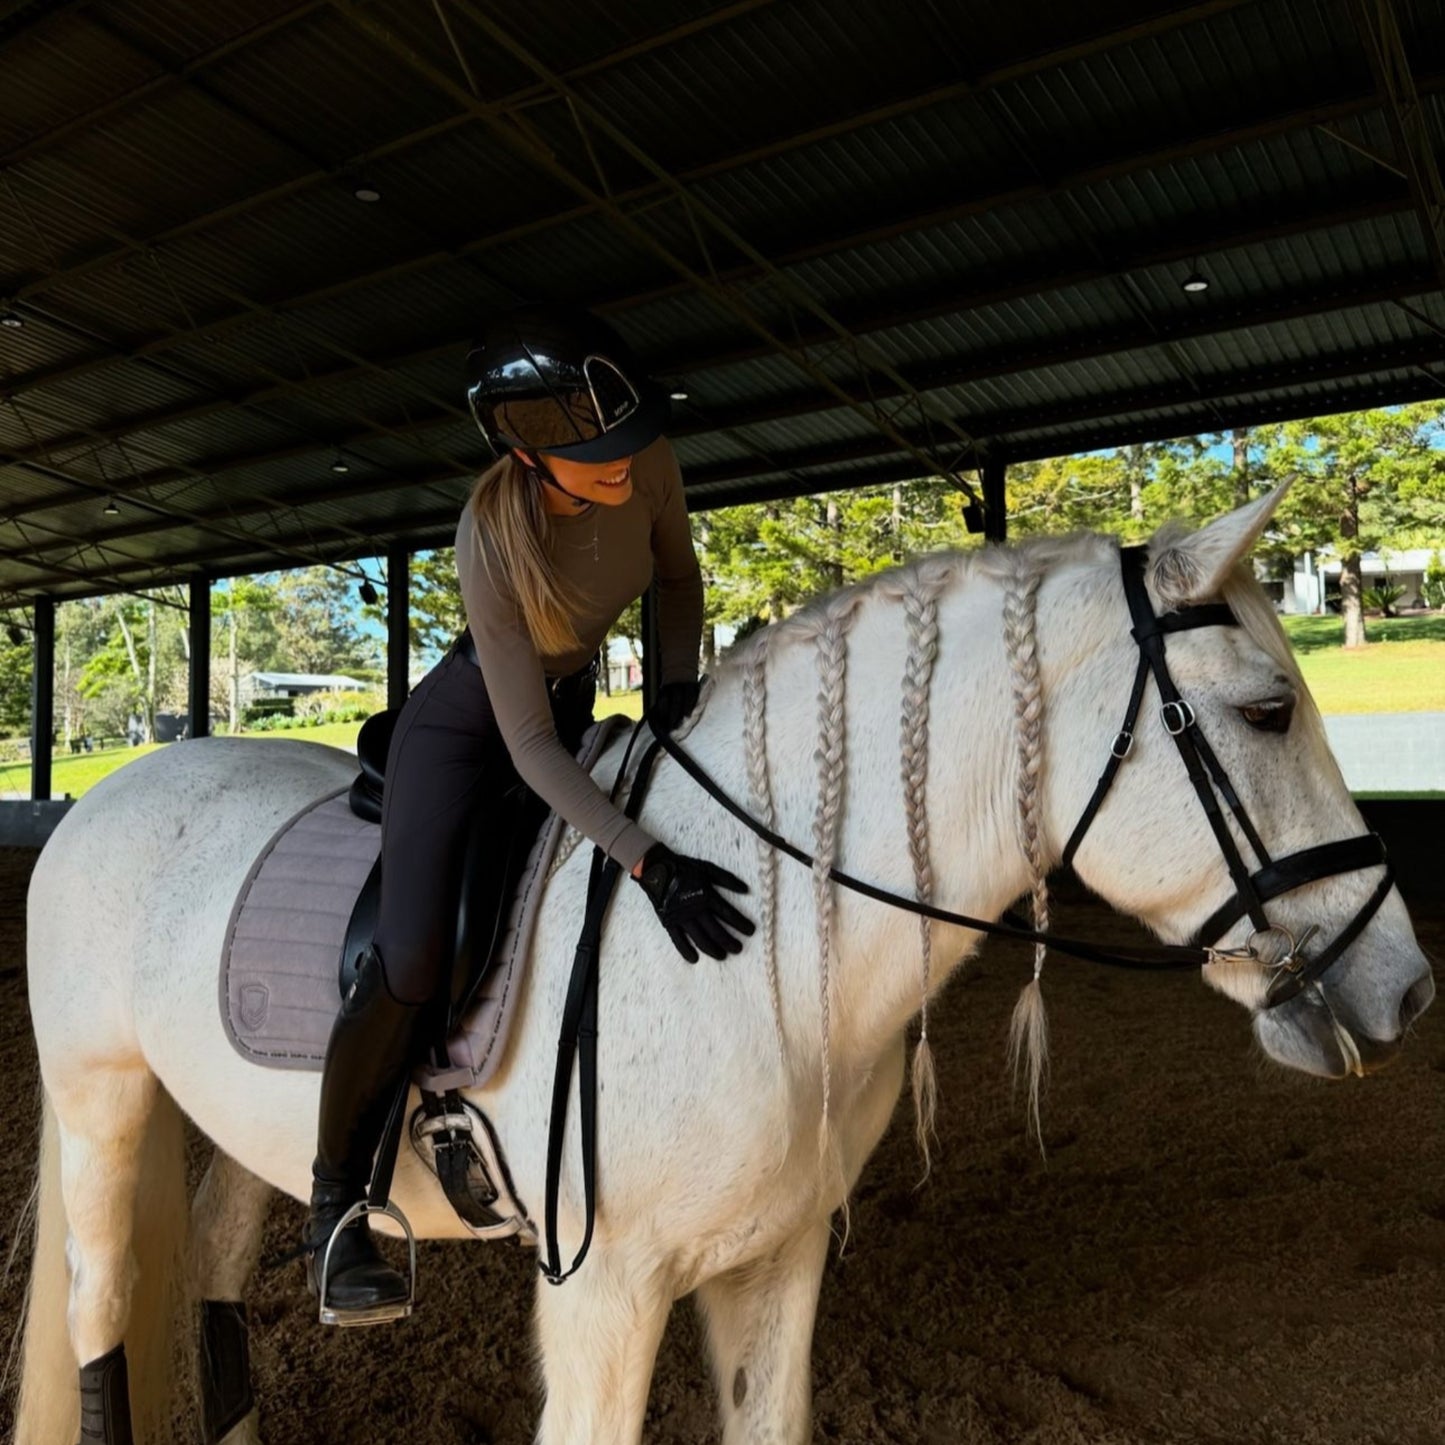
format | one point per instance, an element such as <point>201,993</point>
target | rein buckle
<point>1123,744</point>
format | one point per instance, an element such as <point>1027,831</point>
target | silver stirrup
<point>377,1314</point>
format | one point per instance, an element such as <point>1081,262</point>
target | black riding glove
<point>684,893</point>
<point>675,700</point>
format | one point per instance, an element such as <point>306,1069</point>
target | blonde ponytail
<point>512,528</point>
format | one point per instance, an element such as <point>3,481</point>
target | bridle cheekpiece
<point>1292,969</point>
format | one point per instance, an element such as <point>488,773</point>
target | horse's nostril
<point>1417,999</point>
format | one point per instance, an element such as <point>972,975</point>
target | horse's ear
<point>1191,567</point>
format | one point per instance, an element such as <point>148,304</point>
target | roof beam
<point>983,366</point>
<point>327,541</point>
<point>709,230</point>
<point>827,240</point>
<point>998,426</point>
<point>1200,239</point>
<point>146,89</point>
<point>317,175</point>
<point>1221,386</point>
<point>965,368</point>
<point>853,119</point>
<point>297,502</point>
<point>1409,125</point>
<point>433,529</point>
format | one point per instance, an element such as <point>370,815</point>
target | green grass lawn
<point>1401,670</point>
<point>74,775</point>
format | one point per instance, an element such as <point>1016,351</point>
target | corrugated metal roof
<point>1001,205</point>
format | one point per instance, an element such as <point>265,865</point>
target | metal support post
<point>199,692</point>
<point>42,698</point>
<point>995,504</point>
<point>398,625</point>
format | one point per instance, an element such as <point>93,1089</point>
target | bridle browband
<point>1292,970</point>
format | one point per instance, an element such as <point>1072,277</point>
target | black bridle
<point>1292,970</point>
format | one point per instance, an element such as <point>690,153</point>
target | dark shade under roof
<point>869,241</point>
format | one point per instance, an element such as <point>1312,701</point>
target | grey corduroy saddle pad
<point>279,963</point>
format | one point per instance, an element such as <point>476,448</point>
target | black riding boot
<point>366,1062</point>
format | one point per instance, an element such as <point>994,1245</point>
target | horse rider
<point>581,511</point>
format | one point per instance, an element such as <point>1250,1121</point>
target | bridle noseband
<point>1293,971</point>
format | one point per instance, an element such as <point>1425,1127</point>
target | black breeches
<point>447,759</point>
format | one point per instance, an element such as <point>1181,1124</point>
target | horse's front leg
<point>598,1335</point>
<point>760,1334</point>
<point>227,1220</point>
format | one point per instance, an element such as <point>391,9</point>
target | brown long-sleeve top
<point>609,555</point>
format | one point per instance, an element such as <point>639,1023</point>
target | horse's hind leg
<point>227,1221</point>
<point>122,1183</point>
<point>598,1336</point>
<point>760,1335</point>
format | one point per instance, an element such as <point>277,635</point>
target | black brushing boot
<point>366,1064</point>
<point>105,1401</point>
<point>226,1397</point>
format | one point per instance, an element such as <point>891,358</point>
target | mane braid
<point>920,605</point>
<point>760,801</point>
<point>832,657</point>
<point>1028,1031</point>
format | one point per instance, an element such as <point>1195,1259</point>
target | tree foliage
<point>1364,481</point>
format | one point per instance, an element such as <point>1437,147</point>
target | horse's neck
<point>976,862</point>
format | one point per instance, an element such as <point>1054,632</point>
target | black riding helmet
<point>561,382</point>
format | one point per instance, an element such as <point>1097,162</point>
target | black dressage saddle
<point>499,838</point>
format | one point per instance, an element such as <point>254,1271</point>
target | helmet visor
<point>591,412</point>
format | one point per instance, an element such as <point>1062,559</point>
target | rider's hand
<point>675,700</point>
<point>684,891</point>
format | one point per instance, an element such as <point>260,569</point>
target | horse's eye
<point>1269,717</point>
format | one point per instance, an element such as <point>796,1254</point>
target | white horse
<point>714,1077</point>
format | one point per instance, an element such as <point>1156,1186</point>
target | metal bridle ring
<point>1289,961</point>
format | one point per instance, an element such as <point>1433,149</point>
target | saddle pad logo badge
<point>255,1003</point>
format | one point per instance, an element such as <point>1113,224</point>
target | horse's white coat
<point>710,1175</point>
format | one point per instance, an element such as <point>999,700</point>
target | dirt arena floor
<point>1215,1253</point>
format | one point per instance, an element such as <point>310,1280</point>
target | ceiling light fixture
<point>678,395</point>
<point>368,593</point>
<point>339,465</point>
<point>365,191</point>
<point>1194,283</point>
<point>11,319</point>
<point>15,634</point>
<point>111,510</point>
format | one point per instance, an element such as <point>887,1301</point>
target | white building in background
<point>1306,590</point>
<point>295,684</point>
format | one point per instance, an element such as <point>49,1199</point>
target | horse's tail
<point>49,1401</point>
<point>49,1406</point>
